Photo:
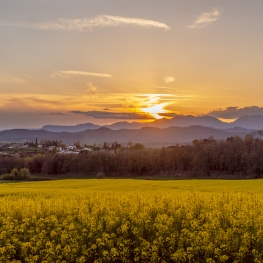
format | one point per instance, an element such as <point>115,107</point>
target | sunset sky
<point>66,62</point>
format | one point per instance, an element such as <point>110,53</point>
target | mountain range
<point>254,122</point>
<point>150,136</point>
<point>163,132</point>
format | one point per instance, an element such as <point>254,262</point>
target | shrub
<point>24,174</point>
<point>15,173</point>
<point>100,175</point>
<point>7,177</point>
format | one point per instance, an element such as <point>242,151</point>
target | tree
<point>105,146</point>
<point>24,173</point>
<point>260,132</point>
<point>78,145</point>
<point>15,173</point>
<point>137,146</point>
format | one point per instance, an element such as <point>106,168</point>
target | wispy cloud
<point>9,79</point>
<point>206,18</point>
<point>65,74</point>
<point>169,79</point>
<point>91,89</point>
<point>86,24</point>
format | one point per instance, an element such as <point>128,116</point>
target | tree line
<point>233,156</point>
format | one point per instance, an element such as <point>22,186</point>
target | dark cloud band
<point>236,112</point>
<point>115,115</point>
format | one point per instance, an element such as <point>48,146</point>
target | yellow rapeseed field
<point>131,221</point>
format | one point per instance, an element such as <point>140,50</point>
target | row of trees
<point>236,155</point>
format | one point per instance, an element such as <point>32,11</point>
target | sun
<point>155,110</point>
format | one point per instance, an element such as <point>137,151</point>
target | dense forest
<point>235,156</point>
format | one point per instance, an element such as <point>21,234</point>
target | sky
<point>67,62</point>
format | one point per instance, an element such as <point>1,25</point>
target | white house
<point>72,147</point>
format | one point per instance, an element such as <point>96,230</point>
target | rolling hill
<point>150,136</point>
<point>254,122</point>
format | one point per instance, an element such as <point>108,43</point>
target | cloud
<point>53,113</point>
<point>115,115</point>
<point>117,20</point>
<point>169,79</point>
<point>236,112</point>
<point>206,18</point>
<point>115,105</point>
<point>8,79</point>
<point>48,103</point>
<point>169,114</point>
<point>92,89</point>
<point>66,74</point>
<point>30,101</point>
<point>86,24</point>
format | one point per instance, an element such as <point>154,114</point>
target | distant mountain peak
<point>250,122</point>
<point>246,122</point>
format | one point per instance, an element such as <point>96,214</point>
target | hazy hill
<point>250,122</point>
<point>180,121</point>
<point>76,128</point>
<point>185,121</point>
<point>147,135</point>
<point>239,130</point>
<point>247,122</point>
<point>126,125</point>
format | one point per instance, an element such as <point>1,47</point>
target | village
<point>46,147</point>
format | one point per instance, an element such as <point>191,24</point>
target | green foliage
<point>16,174</point>
<point>137,146</point>
<point>9,177</point>
<point>24,174</point>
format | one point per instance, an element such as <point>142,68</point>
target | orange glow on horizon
<point>155,110</point>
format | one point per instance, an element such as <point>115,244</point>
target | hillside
<point>254,122</point>
<point>147,135</point>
